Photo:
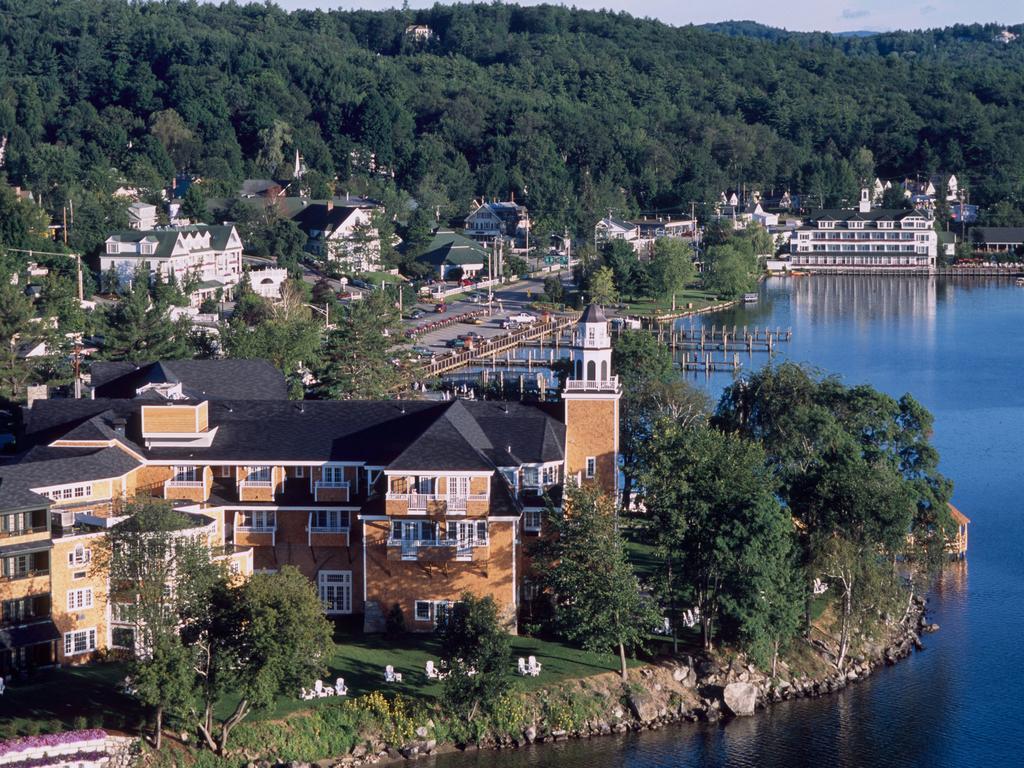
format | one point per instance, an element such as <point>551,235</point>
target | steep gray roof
<point>593,314</point>
<point>200,379</point>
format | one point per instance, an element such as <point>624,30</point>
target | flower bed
<point>29,750</point>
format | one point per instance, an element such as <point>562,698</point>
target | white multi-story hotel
<point>866,239</point>
<point>213,254</point>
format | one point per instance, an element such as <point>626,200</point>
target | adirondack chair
<point>390,676</point>
<point>522,667</point>
<point>534,666</point>
<point>432,672</point>
<point>339,687</point>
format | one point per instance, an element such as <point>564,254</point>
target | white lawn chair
<point>390,676</point>
<point>339,687</point>
<point>318,689</point>
<point>522,667</point>
<point>432,673</point>
<point>534,666</point>
<point>2,685</point>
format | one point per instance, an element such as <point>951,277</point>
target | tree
<point>193,204</point>
<point>601,287</point>
<point>672,267</point>
<point>356,362</point>
<point>553,290</point>
<point>584,566</point>
<point>145,559</point>
<point>620,257</point>
<point>138,328</point>
<point>651,389</point>
<point>21,331</point>
<point>729,270</point>
<point>475,656</point>
<point>266,638</point>
<point>715,520</point>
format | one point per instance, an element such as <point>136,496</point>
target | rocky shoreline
<point>662,694</point>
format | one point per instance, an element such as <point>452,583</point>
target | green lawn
<point>54,699</point>
<point>649,306</point>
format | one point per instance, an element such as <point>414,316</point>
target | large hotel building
<point>378,503</point>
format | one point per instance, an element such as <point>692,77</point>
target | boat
<point>798,273</point>
<point>1020,281</point>
<point>749,298</point>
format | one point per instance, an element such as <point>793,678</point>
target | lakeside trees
<point>595,592</point>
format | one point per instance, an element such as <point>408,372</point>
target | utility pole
<point>76,361</point>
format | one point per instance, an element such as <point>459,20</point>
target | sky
<point>801,15</point>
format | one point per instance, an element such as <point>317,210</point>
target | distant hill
<point>575,112</point>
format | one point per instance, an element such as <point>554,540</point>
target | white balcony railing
<point>418,501</point>
<point>256,483</point>
<point>611,384</point>
<point>184,484</point>
<point>411,547</point>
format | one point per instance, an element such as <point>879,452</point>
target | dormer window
<point>826,224</point>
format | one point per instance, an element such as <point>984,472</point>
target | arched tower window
<point>579,370</point>
<point>591,371</point>
<point>604,370</point>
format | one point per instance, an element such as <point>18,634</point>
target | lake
<point>955,345</point>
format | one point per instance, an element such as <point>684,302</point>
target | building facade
<point>379,503</point>
<point>874,239</point>
<point>211,254</point>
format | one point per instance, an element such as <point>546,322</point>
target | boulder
<point>530,734</point>
<point>740,698</point>
<point>422,732</point>
<point>643,705</point>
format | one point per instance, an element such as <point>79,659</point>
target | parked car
<point>510,325</point>
<point>472,335</point>
<point>416,314</point>
<point>523,318</point>
<point>475,320</point>
<point>360,284</point>
<point>475,298</point>
<point>423,351</point>
<point>442,307</point>
<point>455,343</point>
<point>465,281</point>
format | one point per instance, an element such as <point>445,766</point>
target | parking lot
<point>510,300</point>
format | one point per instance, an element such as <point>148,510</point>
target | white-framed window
<point>431,610</point>
<point>549,475</point>
<point>185,475</point>
<point>531,477</point>
<point>79,599</point>
<point>69,492</point>
<point>224,470</point>
<point>424,610</point>
<point>78,575</point>
<point>260,474</point>
<point>79,641</point>
<point>458,487</point>
<point>333,475</point>
<point>532,519</point>
<point>256,520</point>
<point>335,591</point>
<point>330,519</point>
<point>120,613</point>
<point>80,555</point>
<point>413,530</point>
<point>300,471</point>
<point>16,565</point>
<point>591,466</point>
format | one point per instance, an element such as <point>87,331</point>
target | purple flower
<point>49,740</point>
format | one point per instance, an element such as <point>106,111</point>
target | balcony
<point>433,550</point>
<point>437,502</point>
<point>594,385</point>
<point>331,490</point>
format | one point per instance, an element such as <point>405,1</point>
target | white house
<point>212,254</point>
<point>611,228</point>
<point>142,216</point>
<point>498,219</point>
<point>343,233</point>
<point>766,219</point>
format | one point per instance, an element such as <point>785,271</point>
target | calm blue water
<point>956,347</point>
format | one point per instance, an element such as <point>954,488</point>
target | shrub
<point>394,622</point>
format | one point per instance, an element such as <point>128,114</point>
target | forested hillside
<point>575,112</point>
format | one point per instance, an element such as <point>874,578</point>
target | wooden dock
<point>720,338</point>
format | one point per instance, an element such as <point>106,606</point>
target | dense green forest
<point>574,112</point>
